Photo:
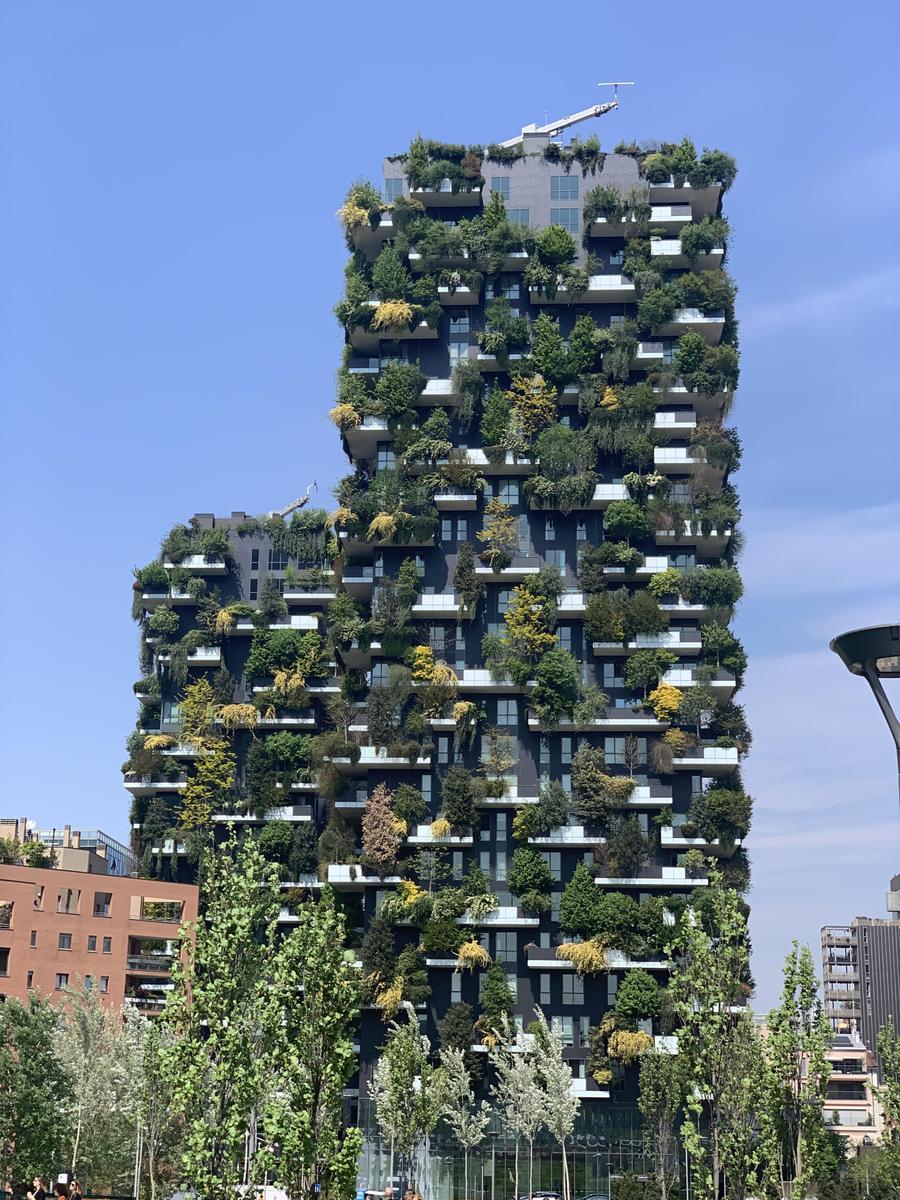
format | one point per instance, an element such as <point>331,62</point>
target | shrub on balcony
<point>588,957</point>
<point>148,686</point>
<point>500,535</point>
<point>530,879</point>
<point>337,843</point>
<point>398,388</point>
<point>532,405</point>
<point>458,799</point>
<point>665,583</point>
<point>276,840</point>
<point>665,700</point>
<point>466,583</point>
<point>703,236</point>
<point>707,370</point>
<point>592,705</point>
<point>626,519</point>
<point>345,417</point>
<point>214,544</point>
<point>643,615</point>
<point>596,794</point>
<point>497,999</point>
<point>646,667</point>
<point>471,955</point>
<point>442,937</point>
<point>722,447</point>
<point>579,909</point>
<point>164,621</point>
<point>393,315</point>
<point>715,587</point>
<point>658,307</point>
<point>238,716</point>
<point>555,693</point>
<point>502,332</point>
<point>620,554</point>
<point>550,812</point>
<point>626,849</point>
<point>273,650</point>
<point>719,812</point>
<point>378,951</point>
<point>152,578</point>
<point>638,997</point>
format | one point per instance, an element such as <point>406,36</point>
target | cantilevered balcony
<point>491,362</point>
<point>359,580</point>
<point>652,565</point>
<point>614,720</point>
<point>457,295</point>
<point>678,460</point>
<point>362,440</point>
<point>680,641</point>
<point>450,500</point>
<point>710,326</point>
<point>711,760</point>
<point>437,392</point>
<point>358,656</point>
<point>674,422</point>
<point>320,597</point>
<point>601,289</point>
<point>703,201</point>
<point>651,354</point>
<point>652,877</point>
<point>306,622</point>
<point>722,682</point>
<point>149,785</point>
<point>349,877</point>
<point>513,796</point>
<point>296,814</point>
<point>203,656</point>
<point>370,240</point>
<point>479,679</point>
<point>417,263</point>
<point>543,958</point>
<point>651,795</point>
<point>366,340</point>
<point>357,547</point>
<point>568,837</point>
<point>151,600</point>
<point>710,543</point>
<point>668,253</point>
<point>376,758</point>
<point>423,835</point>
<point>504,917</point>
<point>290,720</point>
<point>440,604</point>
<point>199,564</point>
<point>445,197</point>
<point>672,837</point>
<point>706,407</point>
<point>606,493</point>
<point>522,567</point>
<point>505,464</point>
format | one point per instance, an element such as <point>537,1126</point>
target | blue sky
<point>169,262</point>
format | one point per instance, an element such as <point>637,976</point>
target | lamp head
<point>878,646</point>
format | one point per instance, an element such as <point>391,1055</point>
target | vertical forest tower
<point>489,696</point>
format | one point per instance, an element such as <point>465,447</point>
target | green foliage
<point>720,812</point>
<point>555,247</point>
<point>466,583</point>
<point>627,848</point>
<point>494,418</point>
<point>638,996</point>
<point>596,794</point>
<point>555,693</point>
<point>276,841</point>
<point>33,1080</point>
<point>716,587</point>
<point>458,799</point>
<point>274,650</point>
<point>497,1000</point>
<point>579,910</point>
<point>408,804</point>
<point>624,519</point>
<point>398,388</point>
<point>529,874</point>
<point>533,820</point>
<point>645,668</point>
<point>378,952</point>
<point>604,617</point>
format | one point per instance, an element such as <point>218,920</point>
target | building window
<point>4,960</point>
<point>68,900</point>
<point>564,637</point>
<point>563,187</point>
<point>254,589</point>
<point>544,987</point>
<point>446,529</point>
<point>102,903</point>
<point>508,491</point>
<point>278,559</point>
<point>462,529</point>
<point>443,751</point>
<point>565,750</point>
<point>581,531</point>
<point>616,258</point>
<point>107,945</point>
<point>88,982</point>
<point>104,984</point>
<point>572,989</point>
<point>393,188</point>
<point>455,988</point>
<point>92,943</point>
<point>506,946</point>
<point>34,937</point>
<point>507,711</point>
<point>385,459</point>
<point>500,185</point>
<point>254,559</point>
<point>549,529</point>
<point>545,752</point>
<point>503,597</point>
<point>553,860</point>
<point>518,216</point>
<point>555,558</point>
<point>459,322</point>
<point>65,941</point>
<point>30,981</point>
<point>458,350</point>
<point>62,981</point>
<point>567,217</point>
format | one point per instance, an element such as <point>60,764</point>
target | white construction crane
<point>555,128</point>
<point>300,502</point>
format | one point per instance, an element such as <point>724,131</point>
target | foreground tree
<point>797,1074</point>
<point>214,1063</point>
<point>519,1094</point>
<point>711,955</point>
<point>103,1049</point>
<point>561,1107</point>
<point>309,1012</point>
<point>161,1125</point>
<point>661,1097</point>
<point>467,1119</point>
<point>407,1091</point>
<point>32,1079</point>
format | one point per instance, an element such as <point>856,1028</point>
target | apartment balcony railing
<point>613,289</point>
<point>709,325</point>
<point>670,254</point>
<point>710,759</point>
<point>149,962</point>
<point>199,564</point>
<point>653,877</point>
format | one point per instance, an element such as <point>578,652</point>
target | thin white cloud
<point>795,553</point>
<point>844,301</point>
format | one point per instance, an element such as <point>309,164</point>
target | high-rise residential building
<point>861,972</point>
<point>489,697</point>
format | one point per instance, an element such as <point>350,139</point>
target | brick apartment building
<point>64,929</point>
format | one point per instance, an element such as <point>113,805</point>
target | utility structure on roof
<point>555,128</point>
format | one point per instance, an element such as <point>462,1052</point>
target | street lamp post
<point>874,654</point>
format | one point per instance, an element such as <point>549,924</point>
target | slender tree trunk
<point>466,1172</point>
<point>530,1168</point>
<point>391,1162</point>
<point>517,1167</point>
<point>565,1167</point>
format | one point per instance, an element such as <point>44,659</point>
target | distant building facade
<point>74,849</point>
<point>65,929</point>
